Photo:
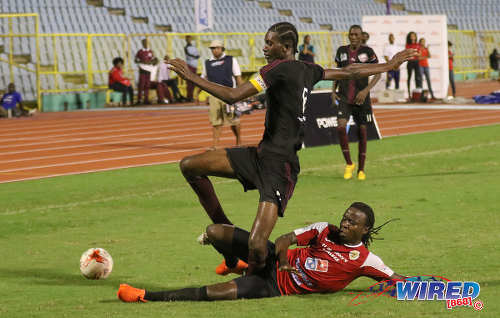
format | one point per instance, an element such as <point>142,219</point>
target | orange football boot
<point>129,294</point>
<point>223,270</point>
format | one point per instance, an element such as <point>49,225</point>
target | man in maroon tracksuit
<point>144,56</point>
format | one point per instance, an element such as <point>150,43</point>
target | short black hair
<point>355,26</point>
<point>117,60</point>
<point>370,221</point>
<point>287,34</point>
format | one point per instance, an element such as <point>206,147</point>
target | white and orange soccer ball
<point>96,263</point>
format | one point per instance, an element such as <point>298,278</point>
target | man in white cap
<point>224,70</point>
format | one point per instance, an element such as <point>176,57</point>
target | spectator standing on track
<point>224,70</point>
<point>389,51</point>
<point>423,62</point>
<point>306,50</point>
<point>10,102</point>
<point>146,61</point>
<point>192,56</point>
<point>354,98</point>
<point>119,83</point>
<point>412,66</point>
<point>494,57</point>
<point>450,69</point>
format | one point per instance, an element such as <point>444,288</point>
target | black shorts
<point>273,175</point>
<point>261,284</point>
<point>362,114</point>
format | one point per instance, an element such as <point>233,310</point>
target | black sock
<point>193,294</point>
<point>231,261</point>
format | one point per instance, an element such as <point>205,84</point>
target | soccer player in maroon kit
<point>333,258</point>
<point>273,166</point>
<point>354,98</point>
<point>144,56</point>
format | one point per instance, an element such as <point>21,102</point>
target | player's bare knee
<point>215,232</point>
<point>257,244</point>
<point>186,166</point>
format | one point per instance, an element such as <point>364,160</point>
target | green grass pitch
<point>444,186</point>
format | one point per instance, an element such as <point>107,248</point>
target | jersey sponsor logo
<point>343,57</point>
<point>363,57</point>
<point>301,277</point>
<point>316,264</point>
<point>217,63</point>
<point>327,122</point>
<point>354,255</point>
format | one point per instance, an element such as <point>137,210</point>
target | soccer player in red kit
<point>273,166</point>
<point>333,257</point>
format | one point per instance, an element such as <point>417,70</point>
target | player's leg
<point>147,84</point>
<point>396,78</point>
<point>452,82</point>
<point>196,170</point>
<point>409,67</point>
<point>263,225</point>
<point>362,117</point>
<point>247,287</point>
<point>342,117</point>
<point>237,133</point>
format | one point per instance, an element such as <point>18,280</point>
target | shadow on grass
<point>51,277</point>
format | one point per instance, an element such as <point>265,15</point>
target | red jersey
<point>450,60</point>
<point>144,55</point>
<point>116,75</point>
<point>326,266</point>
<point>415,46</point>
<point>424,54</point>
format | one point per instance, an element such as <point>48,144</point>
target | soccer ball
<point>96,263</point>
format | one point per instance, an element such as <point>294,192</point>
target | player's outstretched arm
<point>281,246</point>
<point>361,70</point>
<point>228,94</point>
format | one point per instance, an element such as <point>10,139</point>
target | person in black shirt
<point>354,98</point>
<point>273,166</point>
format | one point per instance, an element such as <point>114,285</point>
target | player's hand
<point>401,57</point>
<point>361,97</point>
<point>288,268</point>
<point>181,68</point>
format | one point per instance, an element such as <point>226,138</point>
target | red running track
<point>55,144</point>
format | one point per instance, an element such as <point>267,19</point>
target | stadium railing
<point>79,62</point>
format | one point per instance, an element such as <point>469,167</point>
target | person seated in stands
<point>12,104</point>
<point>119,83</point>
<point>164,77</point>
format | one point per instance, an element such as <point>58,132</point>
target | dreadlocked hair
<point>370,221</point>
<point>287,34</point>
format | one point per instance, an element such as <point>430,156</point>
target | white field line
<point>443,122</point>
<point>159,192</point>
<point>423,131</point>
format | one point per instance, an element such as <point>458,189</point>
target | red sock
<point>208,199</point>
<point>362,147</point>
<point>344,144</point>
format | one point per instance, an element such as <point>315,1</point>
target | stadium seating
<point>134,17</point>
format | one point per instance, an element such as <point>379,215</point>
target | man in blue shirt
<point>10,100</point>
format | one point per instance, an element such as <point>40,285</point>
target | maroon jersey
<point>144,55</point>
<point>326,266</point>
